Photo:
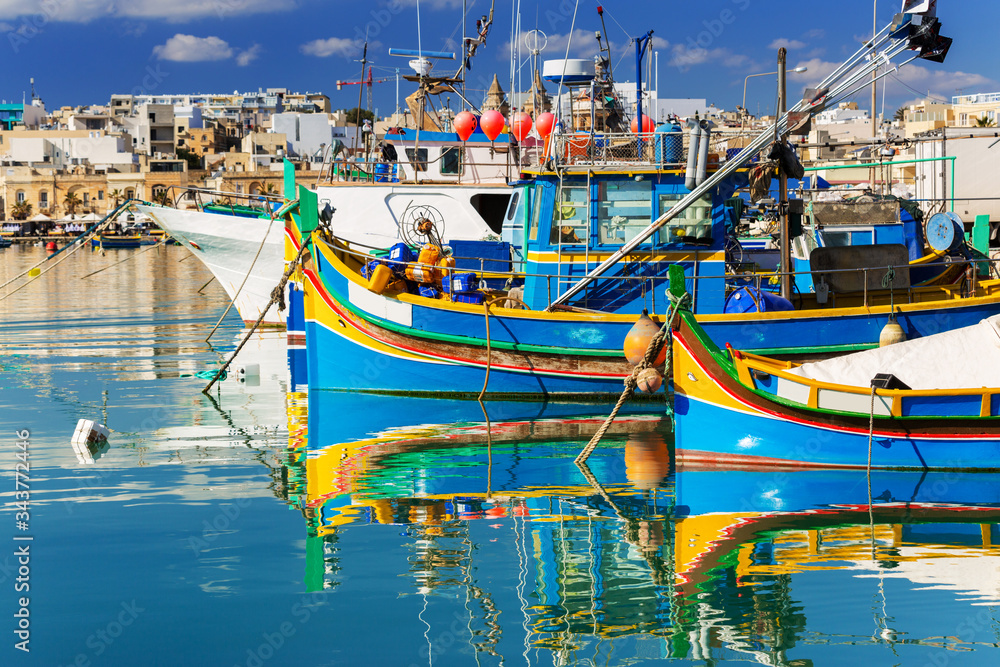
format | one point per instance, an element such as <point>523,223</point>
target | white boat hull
<point>368,215</point>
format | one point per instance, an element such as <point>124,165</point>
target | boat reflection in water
<point>628,560</point>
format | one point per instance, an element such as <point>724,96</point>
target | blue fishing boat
<point>595,235</point>
<point>109,241</point>
<point>928,403</point>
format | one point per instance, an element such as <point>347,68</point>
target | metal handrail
<point>757,278</point>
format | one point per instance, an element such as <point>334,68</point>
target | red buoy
<point>520,125</point>
<point>544,124</point>
<point>492,123</point>
<point>464,124</point>
<point>648,125</point>
<point>51,245</point>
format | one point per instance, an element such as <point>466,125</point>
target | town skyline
<point>705,51</point>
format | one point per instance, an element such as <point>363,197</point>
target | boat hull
<point>720,422</point>
<point>228,246</point>
<point>371,215</point>
<point>358,340</point>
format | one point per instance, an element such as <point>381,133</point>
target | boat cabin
<point>573,219</point>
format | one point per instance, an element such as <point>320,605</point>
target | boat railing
<point>763,281</point>
<point>654,149</point>
<point>201,197</point>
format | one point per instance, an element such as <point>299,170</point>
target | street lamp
<point>746,80</point>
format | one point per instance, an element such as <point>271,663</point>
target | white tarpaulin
<point>967,358</point>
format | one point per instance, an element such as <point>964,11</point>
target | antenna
<point>535,41</point>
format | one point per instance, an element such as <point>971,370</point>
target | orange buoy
<point>649,380</point>
<point>647,459</point>
<point>638,339</point>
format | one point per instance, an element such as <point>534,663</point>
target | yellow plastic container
<point>380,278</point>
<point>429,255</point>
<point>445,267</point>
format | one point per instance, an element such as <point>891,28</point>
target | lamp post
<point>747,80</point>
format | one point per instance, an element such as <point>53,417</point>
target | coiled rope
<point>652,351</point>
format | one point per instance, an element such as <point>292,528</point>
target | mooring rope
<point>46,270</point>
<point>652,351</point>
<point>868,468</point>
<point>240,288</point>
<point>277,294</point>
<point>489,346</point>
<point>130,257</point>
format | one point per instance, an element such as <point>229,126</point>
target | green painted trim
<point>289,176</point>
<point>308,210</point>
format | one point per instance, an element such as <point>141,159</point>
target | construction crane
<point>369,81</point>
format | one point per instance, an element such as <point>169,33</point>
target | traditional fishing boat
<point>242,244</point>
<point>109,241</point>
<point>379,189</point>
<point>555,321</point>
<point>932,402</point>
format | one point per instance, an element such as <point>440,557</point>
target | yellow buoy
<point>638,339</point>
<point>891,333</point>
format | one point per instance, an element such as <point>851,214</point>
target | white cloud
<point>816,33</point>
<point>786,43</point>
<point>190,49</point>
<point>178,11</point>
<point>248,56</point>
<point>684,58</point>
<point>335,46</point>
<point>6,27</point>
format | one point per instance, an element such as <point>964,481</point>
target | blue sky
<point>83,51</point>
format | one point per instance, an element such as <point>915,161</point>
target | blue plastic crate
<point>401,253</point>
<point>429,291</point>
<point>468,297</point>
<point>489,256</point>
<point>464,282</point>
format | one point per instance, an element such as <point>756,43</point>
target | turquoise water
<point>263,526</point>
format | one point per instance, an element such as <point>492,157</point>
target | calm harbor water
<point>266,526</point>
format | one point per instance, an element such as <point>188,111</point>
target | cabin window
<point>418,158</point>
<point>451,160</point>
<point>624,209</point>
<point>694,225</point>
<point>512,207</point>
<point>571,219</point>
<point>536,213</point>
